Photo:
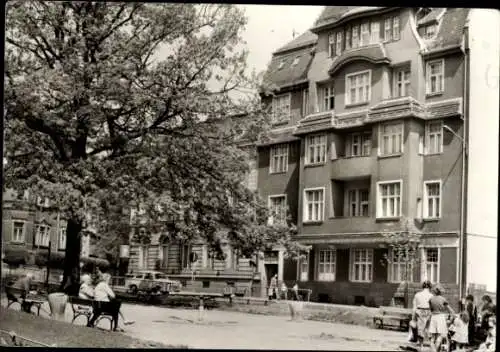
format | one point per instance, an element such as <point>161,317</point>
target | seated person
<point>489,344</point>
<point>104,293</point>
<point>86,290</point>
<point>24,284</point>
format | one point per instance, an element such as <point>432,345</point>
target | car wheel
<point>132,289</point>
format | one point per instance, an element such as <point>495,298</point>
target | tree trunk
<point>71,277</point>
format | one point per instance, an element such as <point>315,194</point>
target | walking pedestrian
<point>295,290</point>
<point>422,312</point>
<point>273,287</point>
<point>440,309</point>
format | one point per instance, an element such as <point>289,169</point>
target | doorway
<point>271,270</point>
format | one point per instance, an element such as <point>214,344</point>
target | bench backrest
<point>395,311</point>
<point>80,301</point>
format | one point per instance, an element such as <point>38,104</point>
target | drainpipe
<point>463,204</point>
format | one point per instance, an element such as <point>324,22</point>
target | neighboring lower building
<point>376,115</point>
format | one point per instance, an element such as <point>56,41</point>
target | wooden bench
<point>85,307</point>
<point>393,316</point>
<point>11,292</point>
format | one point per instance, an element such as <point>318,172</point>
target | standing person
<point>24,285</point>
<point>104,293</point>
<point>486,311</point>
<point>273,286</point>
<point>422,312</point>
<point>284,291</point>
<point>471,309</point>
<point>295,291</point>
<point>460,331</point>
<point>440,309</point>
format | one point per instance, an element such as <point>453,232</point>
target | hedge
<point>15,255</point>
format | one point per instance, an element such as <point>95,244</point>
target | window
<point>435,77</point>
<point>362,265</point>
<point>314,204</point>
<point>305,102</point>
<point>375,32</point>
<point>434,137</point>
<point>277,207</point>
<point>18,232</point>
<point>316,149</point>
<point>365,34</point>
<point>62,238</point>
<point>395,28</point>
<point>358,200</point>
<point>328,98</point>
<point>431,264</point>
<point>42,237</point>
<point>326,265</point>
<point>401,82</point>
<point>399,269</point>
<point>391,138</point>
<point>279,158</point>
<point>281,108</point>
<point>355,36</point>
<point>304,268</point>
<point>389,199</point>
<point>429,31</point>
<point>359,144</point>
<point>348,38</point>
<point>331,45</point>
<point>338,44</point>
<point>281,64</point>
<point>387,29</point>
<point>296,61</point>
<point>432,199</point>
<point>358,87</point>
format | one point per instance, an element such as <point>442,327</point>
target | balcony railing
<point>352,167</point>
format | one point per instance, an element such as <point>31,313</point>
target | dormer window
<point>282,63</point>
<point>331,45</point>
<point>429,31</point>
<point>348,38</point>
<point>338,43</point>
<point>391,29</point>
<point>281,108</point>
<point>295,61</point>
<point>375,32</point>
<point>365,34</point>
<point>355,36</point>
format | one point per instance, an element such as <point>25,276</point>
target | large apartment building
<point>374,119</point>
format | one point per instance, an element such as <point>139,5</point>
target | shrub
<point>15,255</point>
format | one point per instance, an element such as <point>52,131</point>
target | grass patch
<point>64,334</point>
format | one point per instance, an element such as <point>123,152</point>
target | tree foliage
<point>103,111</point>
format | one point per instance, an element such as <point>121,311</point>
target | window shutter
<point>334,151</point>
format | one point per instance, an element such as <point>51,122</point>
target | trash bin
<point>57,304</point>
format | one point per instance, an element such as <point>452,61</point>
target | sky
<point>270,27</point>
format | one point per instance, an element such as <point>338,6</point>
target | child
<point>459,329</point>
<point>489,344</point>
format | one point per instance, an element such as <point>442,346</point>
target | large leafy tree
<point>103,110</point>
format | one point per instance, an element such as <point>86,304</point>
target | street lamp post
<point>462,236</point>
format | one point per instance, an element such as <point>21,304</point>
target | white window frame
<point>400,79</point>
<point>400,264</point>
<point>281,64</point>
<point>396,31</point>
<point>331,265</point>
<point>295,61</point>
<point>321,213</point>
<point>354,262</point>
<point>379,211</point>
<point>434,198</point>
<point>354,197</point>
<point>437,265</point>
<point>42,238</point>
<point>390,138</point>
<point>143,259</point>
<point>365,85</point>
<point>348,38</point>
<point>374,32</point>
<point>338,43</point>
<point>61,238</point>
<point>305,102</point>
<point>282,212</point>
<point>364,144</point>
<point>327,91</point>
<point>437,136</point>
<point>282,107</point>
<point>331,44</point>
<point>355,36</point>
<point>303,269</point>
<point>439,77</point>
<point>388,29</point>
<point>316,145</point>
<point>364,35</point>
<point>15,238</point>
<point>429,34</point>
<point>278,158</point>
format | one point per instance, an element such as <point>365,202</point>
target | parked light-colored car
<point>149,280</point>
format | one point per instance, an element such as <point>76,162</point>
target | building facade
<point>371,114</point>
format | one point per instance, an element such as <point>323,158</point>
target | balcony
<point>396,108</point>
<point>352,167</point>
<point>318,121</point>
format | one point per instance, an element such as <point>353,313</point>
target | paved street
<point>225,330</point>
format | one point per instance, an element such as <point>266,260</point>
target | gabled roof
<point>432,16</point>
<point>332,14</point>
<point>450,30</point>
<point>307,38</point>
<point>374,53</point>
